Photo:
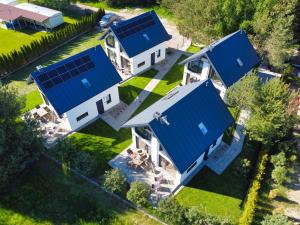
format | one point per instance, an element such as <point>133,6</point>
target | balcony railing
<point>195,66</point>
<point>144,133</point>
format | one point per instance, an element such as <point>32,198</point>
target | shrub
<point>279,159</point>
<point>115,181</point>
<point>276,219</point>
<point>172,212</point>
<point>69,155</point>
<point>244,167</point>
<point>139,193</point>
<point>193,216</point>
<point>250,205</point>
<point>273,193</point>
<point>279,174</point>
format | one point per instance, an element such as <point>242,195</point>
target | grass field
<point>131,89</point>
<point>170,81</point>
<point>44,195</point>
<point>193,49</point>
<point>219,195</point>
<point>32,99</point>
<point>102,141</point>
<point>18,79</point>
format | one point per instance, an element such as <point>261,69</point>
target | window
<point>82,116</point>
<point>191,167</point>
<point>110,41</point>
<point>158,53</point>
<point>195,66</point>
<point>108,99</point>
<point>141,64</point>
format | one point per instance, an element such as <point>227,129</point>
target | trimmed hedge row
<point>11,61</point>
<point>250,205</point>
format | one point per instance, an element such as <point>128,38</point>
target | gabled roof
<point>185,109</point>
<point>140,33</point>
<point>76,79</point>
<point>38,9</point>
<point>231,57</point>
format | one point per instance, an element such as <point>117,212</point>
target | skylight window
<point>240,62</point>
<point>86,83</point>
<point>146,37</point>
<point>203,128</point>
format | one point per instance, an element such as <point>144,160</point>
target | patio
<point>52,127</point>
<point>141,169</point>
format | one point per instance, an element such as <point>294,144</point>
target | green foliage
<point>243,93</point>
<point>276,219</point>
<point>55,4</point>
<point>19,142</point>
<point>244,167</point>
<point>171,211</point>
<point>270,120</point>
<point>195,217</point>
<point>250,205</point>
<point>139,193</point>
<point>115,181</point>
<point>279,159</point>
<point>10,61</point>
<point>66,152</point>
<point>279,174</point>
<point>123,3</point>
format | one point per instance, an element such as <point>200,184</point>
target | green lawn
<point>219,195</point>
<point>170,81</point>
<point>131,89</point>
<point>102,141</point>
<point>18,79</point>
<point>44,195</point>
<point>32,99</point>
<point>193,49</point>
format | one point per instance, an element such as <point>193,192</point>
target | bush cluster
<point>115,181</point>
<point>122,3</point>
<point>69,155</point>
<point>28,52</point>
<point>250,205</point>
<point>139,193</point>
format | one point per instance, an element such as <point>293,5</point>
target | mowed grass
<point>193,49</point>
<point>219,195</point>
<point>102,142</point>
<point>45,195</point>
<point>32,99</point>
<point>170,81</point>
<point>18,79</point>
<point>129,90</point>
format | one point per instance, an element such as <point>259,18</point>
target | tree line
<point>28,52</point>
<point>273,25</point>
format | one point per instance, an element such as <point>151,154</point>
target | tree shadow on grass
<point>44,193</point>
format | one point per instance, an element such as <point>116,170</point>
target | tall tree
<point>19,142</point>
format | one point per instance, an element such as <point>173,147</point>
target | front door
<point>153,58</point>
<point>100,106</point>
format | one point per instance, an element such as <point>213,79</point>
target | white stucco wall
<point>91,107</point>
<point>54,21</point>
<point>142,57</point>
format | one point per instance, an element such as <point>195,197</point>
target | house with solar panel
<point>77,89</point>
<point>225,61</point>
<point>136,44</point>
<point>177,134</point>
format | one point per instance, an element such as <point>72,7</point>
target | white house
<point>29,15</point>
<point>225,61</point>
<point>79,88</point>
<point>136,44</point>
<point>182,129</point>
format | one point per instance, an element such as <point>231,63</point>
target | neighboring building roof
<point>76,79</point>
<point>232,57</point>
<point>9,12</point>
<point>38,9</point>
<point>140,33</point>
<point>185,109</point>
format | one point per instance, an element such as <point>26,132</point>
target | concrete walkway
<point>222,158</point>
<point>163,68</point>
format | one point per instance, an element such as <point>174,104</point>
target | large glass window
<point>195,66</point>
<point>110,41</point>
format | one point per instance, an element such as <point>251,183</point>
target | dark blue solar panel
<point>52,73</point>
<point>70,65</point>
<point>90,65</point>
<point>43,77</point>
<point>66,76</point>
<point>82,69</point>
<point>57,80</point>
<point>61,69</point>
<point>74,72</point>
<point>78,62</point>
<point>86,59</point>
<point>48,84</point>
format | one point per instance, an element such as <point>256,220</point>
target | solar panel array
<point>63,73</point>
<point>135,26</point>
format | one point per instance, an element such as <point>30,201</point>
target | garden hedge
<point>250,205</point>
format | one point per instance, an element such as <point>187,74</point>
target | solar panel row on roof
<point>65,72</point>
<point>135,26</point>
